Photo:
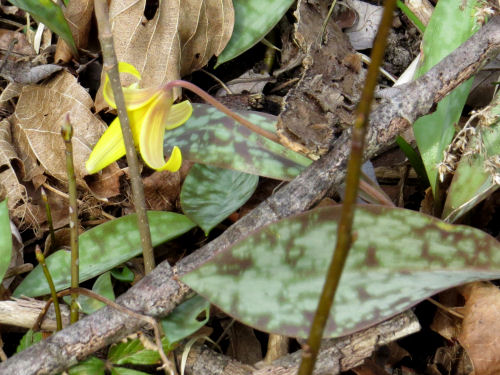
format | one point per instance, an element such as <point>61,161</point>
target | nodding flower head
<point>151,111</point>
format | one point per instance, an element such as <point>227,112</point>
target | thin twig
<point>41,259</point>
<point>48,213</point>
<point>344,231</point>
<point>110,67</point>
<point>67,134</point>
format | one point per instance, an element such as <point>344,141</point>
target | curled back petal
<point>108,149</point>
<point>178,114</point>
<point>174,162</point>
<point>152,130</point>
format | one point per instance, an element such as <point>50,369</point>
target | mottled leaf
<point>183,321</point>
<point>47,12</point>
<point>126,371</point>
<point>272,279</point>
<point>252,21</point>
<point>5,239</point>
<point>434,132</point>
<point>473,180</point>
<point>91,366</point>
<point>104,247</point>
<point>210,137</point>
<point>210,194</point>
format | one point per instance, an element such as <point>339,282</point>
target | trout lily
<point>150,112</point>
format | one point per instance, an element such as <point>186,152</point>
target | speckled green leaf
<point>5,239</point>
<point>132,352</point>
<point>126,371</point>
<point>272,279</point>
<point>451,24</point>
<point>210,137</point>
<point>29,338</point>
<point>103,287</point>
<point>472,181</point>
<point>104,247</point>
<point>47,12</point>
<point>210,194</point>
<point>252,21</point>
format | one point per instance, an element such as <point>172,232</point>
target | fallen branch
<point>159,292</point>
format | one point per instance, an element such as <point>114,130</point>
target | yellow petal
<point>134,96</point>
<point>108,149</point>
<point>178,114</point>
<point>174,162</point>
<point>152,130</point>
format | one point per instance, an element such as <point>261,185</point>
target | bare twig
<point>110,67</point>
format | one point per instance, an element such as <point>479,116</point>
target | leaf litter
<point>166,42</point>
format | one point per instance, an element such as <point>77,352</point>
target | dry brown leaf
<point>78,13</point>
<point>480,327</point>
<point>22,46</point>
<point>180,38</point>
<point>20,207</point>
<point>40,113</point>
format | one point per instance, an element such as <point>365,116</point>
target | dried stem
<point>110,67</point>
<point>41,259</point>
<point>221,107</point>
<point>67,134</point>
<point>48,213</point>
<point>344,231</point>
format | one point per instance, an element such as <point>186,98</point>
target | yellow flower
<point>150,112</point>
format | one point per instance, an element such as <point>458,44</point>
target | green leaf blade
<point>48,13</point>
<point>210,194</point>
<point>210,137</point>
<point>6,239</point>
<point>104,247</point>
<point>253,20</point>
<point>272,279</point>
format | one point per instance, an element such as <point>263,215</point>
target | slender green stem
<point>344,231</point>
<point>411,16</point>
<point>221,107</point>
<point>325,21</point>
<point>41,259</point>
<point>67,134</point>
<point>48,213</point>
<point>111,68</point>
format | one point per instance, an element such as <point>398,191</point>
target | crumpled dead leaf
<point>41,111</point>
<point>78,13</point>
<point>181,37</point>
<point>362,34</point>
<point>19,203</point>
<point>480,327</point>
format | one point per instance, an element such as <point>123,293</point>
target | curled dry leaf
<point>78,13</point>
<point>480,327</point>
<point>39,115</point>
<point>180,38</point>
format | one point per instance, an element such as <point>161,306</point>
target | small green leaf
<point>91,366</point>
<point>102,248</point>
<point>103,287</point>
<point>126,371</point>
<point>272,279</point>
<point>454,22</point>
<point>183,321</point>
<point>132,352</point>
<point>48,13</point>
<point>29,339</point>
<point>252,21</point>
<point>210,137</point>
<point>123,274</point>
<point>5,239</point>
<point>210,194</point>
